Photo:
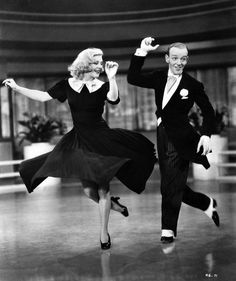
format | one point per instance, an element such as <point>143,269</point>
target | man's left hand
<point>205,143</point>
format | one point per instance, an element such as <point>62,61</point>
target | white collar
<point>92,85</point>
<point>174,75</point>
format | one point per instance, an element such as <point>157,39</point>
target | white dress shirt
<point>167,96</point>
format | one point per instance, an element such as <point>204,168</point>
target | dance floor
<point>53,234</point>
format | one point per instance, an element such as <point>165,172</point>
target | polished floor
<point>53,234</point>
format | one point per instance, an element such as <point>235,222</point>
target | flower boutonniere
<point>184,94</point>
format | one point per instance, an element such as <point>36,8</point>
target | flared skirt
<point>95,154</point>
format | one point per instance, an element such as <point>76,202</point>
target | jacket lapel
<point>171,93</point>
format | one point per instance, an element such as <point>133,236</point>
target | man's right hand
<point>146,44</point>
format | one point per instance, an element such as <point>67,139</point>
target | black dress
<point>92,151</point>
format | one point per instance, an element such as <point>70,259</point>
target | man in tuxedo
<point>177,141</point>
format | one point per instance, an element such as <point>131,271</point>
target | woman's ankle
<point>104,236</point>
<point>116,207</point>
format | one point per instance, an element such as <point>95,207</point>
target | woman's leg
<point>92,193</point>
<point>91,190</point>
<point>104,208</point>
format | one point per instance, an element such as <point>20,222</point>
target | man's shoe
<point>215,216</point>
<point>166,239</point>
<point>212,213</point>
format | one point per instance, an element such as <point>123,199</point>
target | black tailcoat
<point>175,114</point>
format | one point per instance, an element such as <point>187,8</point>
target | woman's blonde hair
<point>82,63</point>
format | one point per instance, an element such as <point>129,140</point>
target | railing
<point>6,188</point>
<point>226,165</point>
<point>8,163</point>
<point>8,175</point>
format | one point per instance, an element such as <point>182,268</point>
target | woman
<point>91,151</point>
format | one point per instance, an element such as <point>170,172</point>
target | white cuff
<point>205,137</point>
<point>140,53</point>
<point>167,233</point>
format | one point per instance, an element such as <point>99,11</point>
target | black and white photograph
<point>117,140</point>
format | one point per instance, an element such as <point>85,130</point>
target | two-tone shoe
<point>211,212</point>
<point>167,239</point>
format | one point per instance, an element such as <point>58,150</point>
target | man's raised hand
<point>146,44</point>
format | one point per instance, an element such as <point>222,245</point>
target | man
<point>177,141</point>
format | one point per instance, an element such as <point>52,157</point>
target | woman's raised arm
<point>30,93</point>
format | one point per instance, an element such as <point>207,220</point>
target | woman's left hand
<point>111,68</point>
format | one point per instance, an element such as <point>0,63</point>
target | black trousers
<point>174,191</point>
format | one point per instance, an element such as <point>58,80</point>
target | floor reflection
<point>54,235</point>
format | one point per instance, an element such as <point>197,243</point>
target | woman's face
<point>96,67</point>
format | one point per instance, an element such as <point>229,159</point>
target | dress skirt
<point>97,154</point>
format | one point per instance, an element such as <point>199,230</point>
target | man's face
<point>177,59</point>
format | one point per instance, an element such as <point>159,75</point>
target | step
<point>9,175</point>
<point>10,162</point>
<point>226,178</point>
<point>12,188</point>
<point>227,152</point>
<point>225,164</point>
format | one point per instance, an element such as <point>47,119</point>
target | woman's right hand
<point>111,68</point>
<point>30,93</point>
<point>9,82</point>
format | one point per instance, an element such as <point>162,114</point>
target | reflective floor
<point>53,234</point>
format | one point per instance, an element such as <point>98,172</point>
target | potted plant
<point>40,130</point>
<point>37,137</point>
<point>219,142</point>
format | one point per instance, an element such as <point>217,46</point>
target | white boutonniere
<point>184,94</point>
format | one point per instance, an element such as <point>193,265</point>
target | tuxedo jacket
<point>175,113</point>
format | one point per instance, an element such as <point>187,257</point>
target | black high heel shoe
<point>106,245</point>
<point>125,211</point>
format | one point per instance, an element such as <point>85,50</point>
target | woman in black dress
<point>91,151</point>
